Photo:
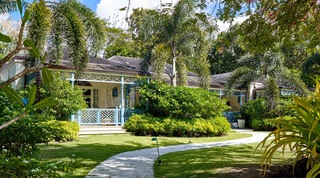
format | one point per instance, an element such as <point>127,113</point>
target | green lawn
<point>91,150</point>
<point>232,161</point>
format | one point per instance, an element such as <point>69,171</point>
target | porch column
<point>220,94</point>
<point>241,99</point>
<point>72,83</point>
<point>122,102</point>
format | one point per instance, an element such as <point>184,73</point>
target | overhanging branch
<point>25,71</point>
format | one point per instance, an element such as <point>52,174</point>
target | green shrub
<point>300,134</point>
<point>21,138</point>
<point>68,97</point>
<point>162,100</point>
<point>222,124</point>
<point>30,167</point>
<point>143,125</point>
<point>62,131</point>
<point>254,109</point>
<point>263,125</point>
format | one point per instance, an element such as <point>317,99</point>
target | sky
<point>110,9</point>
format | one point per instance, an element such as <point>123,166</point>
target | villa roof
<point>132,66</point>
<point>116,65</point>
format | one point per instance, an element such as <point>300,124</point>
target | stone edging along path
<point>139,163</point>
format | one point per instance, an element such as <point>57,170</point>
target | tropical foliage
<point>180,38</point>
<point>143,125</point>
<point>119,43</point>
<point>162,100</point>
<point>300,134</point>
<point>269,68</point>
<point>69,98</point>
<point>226,51</point>
<point>310,69</point>
<point>66,22</point>
<point>270,22</point>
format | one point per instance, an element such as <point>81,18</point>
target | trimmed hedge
<point>143,125</point>
<point>62,131</point>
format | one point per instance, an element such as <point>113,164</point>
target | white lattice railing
<point>98,116</point>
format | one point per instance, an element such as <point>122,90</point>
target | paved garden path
<point>139,163</point>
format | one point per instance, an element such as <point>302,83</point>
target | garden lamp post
<point>155,139</point>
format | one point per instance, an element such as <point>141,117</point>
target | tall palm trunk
<point>173,75</point>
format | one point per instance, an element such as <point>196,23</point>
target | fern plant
<point>301,134</point>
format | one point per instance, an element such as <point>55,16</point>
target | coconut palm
<point>268,66</point>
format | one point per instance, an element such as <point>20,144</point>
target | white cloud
<point>109,9</point>
<point>224,26</point>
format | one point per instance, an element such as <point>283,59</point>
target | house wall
<point>102,95</point>
<point>14,68</point>
<point>235,102</point>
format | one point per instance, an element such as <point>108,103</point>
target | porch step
<point>101,130</point>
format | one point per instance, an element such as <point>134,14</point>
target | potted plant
<point>241,121</point>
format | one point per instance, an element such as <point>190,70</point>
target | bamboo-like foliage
<point>69,25</point>
<point>300,134</point>
<point>39,24</point>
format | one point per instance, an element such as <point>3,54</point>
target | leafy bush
<point>263,125</point>
<point>21,138</point>
<point>68,97</point>
<point>30,167</point>
<point>143,125</point>
<point>255,112</point>
<point>62,130</point>
<point>300,134</point>
<point>253,109</point>
<point>162,100</point>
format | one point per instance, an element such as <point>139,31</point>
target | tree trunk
<point>173,76</point>
<point>173,73</point>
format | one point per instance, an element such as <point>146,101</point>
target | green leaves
<point>32,95</point>
<point>11,93</point>
<point>301,134</point>
<point>34,51</point>
<point>26,16</point>
<point>19,4</point>
<point>28,102</point>
<point>46,76</point>
<point>5,38</point>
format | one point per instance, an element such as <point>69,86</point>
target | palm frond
<point>242,75</point>
<point>75,37</point>
<point>181,72</point>
<point>8,6</point>
<point>94,26</point>
<point>293,80</point>
<point>56,36</point>
<point>39,24</point>
<point>160,55</point>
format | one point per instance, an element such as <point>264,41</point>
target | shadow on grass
<point>89,155</point>
<point>233,161</point>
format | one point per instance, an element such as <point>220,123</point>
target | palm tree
<point>68,24</point>
<point>270,67</point>
<point>179,38</point>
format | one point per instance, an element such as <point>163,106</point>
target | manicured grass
<point>231,161</point>
<point>90,151</point>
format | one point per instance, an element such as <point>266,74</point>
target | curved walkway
<point>139,163</point>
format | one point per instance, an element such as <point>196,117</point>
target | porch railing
<point>104,116</point>
<point>113,116</point>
